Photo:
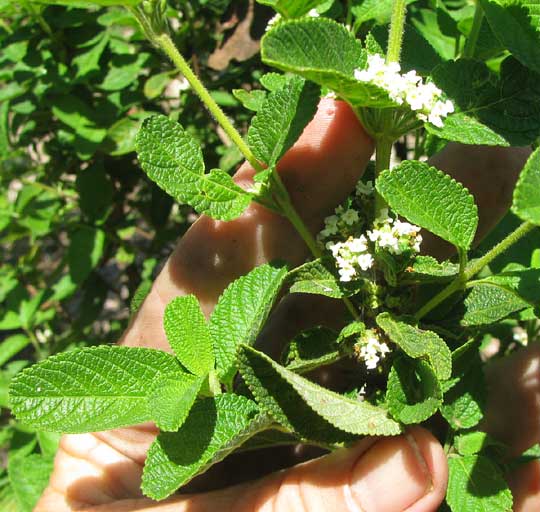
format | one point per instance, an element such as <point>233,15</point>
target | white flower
<point>313,13</point>
<point>350,217</point>
<point>365,261</point>
<point>358,244</point>
<point>423,98</point>
<point>372,350</point>
<point>365,189</point>
<point>272,22</point>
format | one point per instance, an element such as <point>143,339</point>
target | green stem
<point>470,44</point>
<point>36,14</point>
<point>397,26</point>
<point>473,268</point>
<point>383,153</point>
<point>169,48</point>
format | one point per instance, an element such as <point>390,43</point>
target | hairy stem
<point>383,153</point>
<point>470,44</point>
<point>473,268</point>
<point>397,26</point>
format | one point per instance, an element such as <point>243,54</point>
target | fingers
<point>405,473</point>
<point>319,172</point>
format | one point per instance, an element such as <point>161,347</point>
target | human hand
<point>102,471</point>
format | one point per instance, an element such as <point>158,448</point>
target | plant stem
<point>473,268</point>
<point>397,26</point>
<point>470,44</point>
<point>383,153</point>
<point>36,14</point>
<point>165,42</point>
<point>477,265</point>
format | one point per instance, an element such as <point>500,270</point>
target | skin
<point>101,472</point>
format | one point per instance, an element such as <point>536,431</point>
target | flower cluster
<point>394,235</point>
<point>313,13</point>
<point>372,349</point>
<point>423,98</point>
<point>351,256</point>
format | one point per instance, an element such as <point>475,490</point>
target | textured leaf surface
<point>188,334</point>
<point>214,428</point>
<point>463,404</point>
<point>417,343</point>
<point>428,269</point>
<point>311,349</point>
<point>472,443</point>
<point>292,8</point>
<point>508,105</point>
<point>431,199</point>
<point>241,312</point>
<point>172,158</point>
<point>413,393</point>
<point>87,390</point>
<point>316,278</point>
<point>29,475</point>
<point>282,118</point>
<point>171,398</point>
<point>524,283</point>
<point>476,484</point>
<point>487,304</point>
<point>517,25</point>
<point>279,391</point>
<point>526,203</point>
<point>326,53</point>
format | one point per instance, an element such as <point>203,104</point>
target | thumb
<point>407,473</point>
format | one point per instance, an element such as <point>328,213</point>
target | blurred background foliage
<point>82,230</point>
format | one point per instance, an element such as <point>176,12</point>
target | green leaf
<point>311,349</point>
<point>377,10</point>
<point>87,390</point>
<point>488,303</point>
<point>472,443</point>
<point>326,53</point>
<point>292,8</point>
<point>516,23</point>
<point>214,428</point>
<point>524,283</point>
<point>431,199</point>
<point>96,193</point>
<point>12,346</point>
<point>241,312</point>
<point>173,159</point>
<point>316,278</point>
<point>4,129</point>
<point>476,484</point>
<point>283,395</point>
<point>252,100</point>
<point>86,248</point>
<point>417,343</point>
<point>427,269</point>
<point>188,334</point>
<point>87,3</point>
<point>155,85</point>
<point>413,393</point>
<point>526,203</point>
<point>171,398</point>
<point>508,105</point>
<point>29,476</point>
<point>88,61</point>
<point>282,118</point>
<point>464,402</point>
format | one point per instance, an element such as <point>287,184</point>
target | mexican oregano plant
<point>416,324</point>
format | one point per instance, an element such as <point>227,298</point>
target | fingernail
<point>391,475</point>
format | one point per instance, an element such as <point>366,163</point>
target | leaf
<point>428,269</point>
<point>292,8</point>
<point>325,52</point>
<point>413,393</point>
<point>88,61</point>
<point>417,343</point>
<point>87,390</point>
<point>464,402</point>
<point>476,484</point>
<point>96,193</point>
<point>526,203</point>
<point>508,105</point>
<point>173,159</point>
<point>284,394</point>
<point>86,248</point>
<point>252,100</point>
<point>517,25</point>
<point>12,346</point>
<point>188,334</point>
<point>4,130</point>
<point>155,85</point>
<point>431,199</point>
<point>282,118</point>
<point>214,428</point>
<point>524,283</point>
<point>314,277</point>
<point>487,304</point>
<point>29,476</point>
<point>171,398</point>
<point>472,443</point>
<point>87,3</point>
<point>241,312</point>
<point>311,349</point>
